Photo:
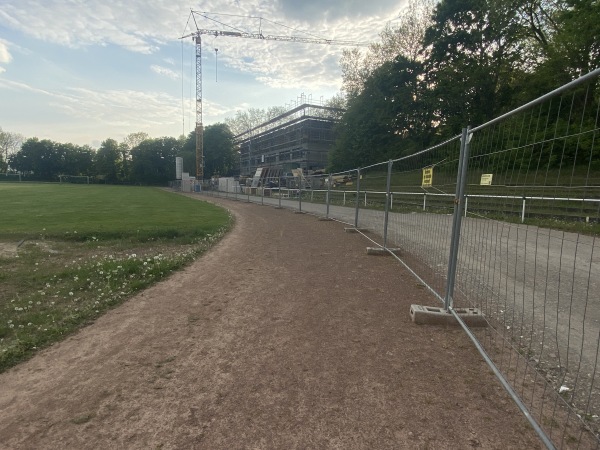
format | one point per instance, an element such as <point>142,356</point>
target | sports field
<point>70,252</point>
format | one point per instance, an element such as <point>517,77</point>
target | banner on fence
<point>486,179</point>
<point>427,176</point>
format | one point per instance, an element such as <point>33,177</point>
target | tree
<point>131,140</point>
<point>404,39</point>
<point>75,160</point>
<point>107,161</point>
<point>472,55</point>
<point>251,118</point>
<point>46,160</point>
<point>188,153</point>
<point>153,160</point>
<point>37,158</point>
<point>220,156</point>
<point>574,48</point>
<point>387,119</point>
<point>10,143</point>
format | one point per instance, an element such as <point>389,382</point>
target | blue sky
<point>82,71</point>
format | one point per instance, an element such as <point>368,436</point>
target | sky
<point>83,71</point>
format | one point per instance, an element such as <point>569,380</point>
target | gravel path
<point>285,335</point>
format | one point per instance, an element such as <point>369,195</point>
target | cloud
<point>312,11</point>
<point>138,27</point>
<point>5,56</point>
<point>120,108</point>
<point>164,71</point>
<point>2,69</point>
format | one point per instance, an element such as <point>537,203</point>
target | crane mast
<point>199,125</point>
<point>197,36</point>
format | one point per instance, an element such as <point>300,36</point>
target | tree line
<point>447,65</point>
<point>137,159</point>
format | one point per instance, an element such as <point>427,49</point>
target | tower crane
<point>197,37</point>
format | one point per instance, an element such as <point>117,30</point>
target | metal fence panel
<point>421,205</point>
<point>530,261</point>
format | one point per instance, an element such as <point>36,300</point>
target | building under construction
<point>301,138</point>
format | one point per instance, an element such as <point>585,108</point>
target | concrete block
<point>325,219</point>
<point>380,251</point>
<point>299,212</point>
<point>432,315</point>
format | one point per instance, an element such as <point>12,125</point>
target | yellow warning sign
<point>486,179</point>
<point>427,177</point>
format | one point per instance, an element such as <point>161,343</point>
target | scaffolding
<point>301,138</point>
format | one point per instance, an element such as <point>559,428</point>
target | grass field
<point>70,252</point>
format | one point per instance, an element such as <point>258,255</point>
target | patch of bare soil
<point>8,249</point>
<point>285,335</point>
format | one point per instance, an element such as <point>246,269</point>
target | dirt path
<point>286,335</point>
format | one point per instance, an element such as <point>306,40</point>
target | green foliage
<point>220,156</point>
<point>480,58</point>
<point>45,160</point>
<point>153,160</point>
<point>107,160</point>
<point>386,120</point>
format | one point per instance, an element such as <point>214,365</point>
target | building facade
<point>301,138</point>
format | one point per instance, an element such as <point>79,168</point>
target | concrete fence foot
<point>433,315</point>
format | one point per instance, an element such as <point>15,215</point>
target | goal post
<point>10,177</point>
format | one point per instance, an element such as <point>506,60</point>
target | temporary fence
<point>503,218</point>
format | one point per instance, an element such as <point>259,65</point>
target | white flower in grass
<point>71,294</point>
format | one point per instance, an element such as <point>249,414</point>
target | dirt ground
<point>285,336</point>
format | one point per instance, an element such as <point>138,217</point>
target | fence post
<point>357,198</point>
<point>344,198</point>
<point>461,180</point>
<point>365,199</point>
<point>279,184</point>
<point>466,204</point>
<point>387,203</point>
<point>523,210</point>
<point>424,201</point>
<point>262,193</point>
<point>328,195</point>
<point>248,189</point>
<point>227,188</point>
<point>391,200</point>
<point>300,195</point>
